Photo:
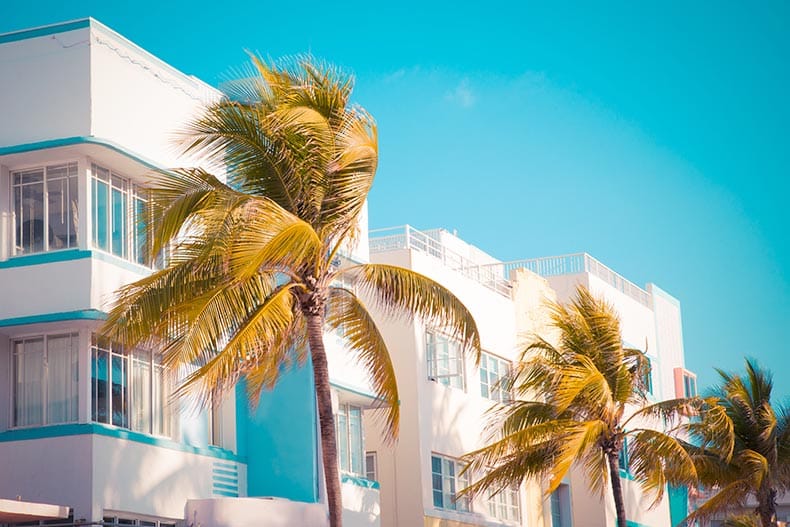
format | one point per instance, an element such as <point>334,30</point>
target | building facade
<point>86,426</point>
<point>445,396</point>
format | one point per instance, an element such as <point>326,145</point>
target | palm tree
<point>591,393</point>
<point>255,274</point>
<point>741,446</point>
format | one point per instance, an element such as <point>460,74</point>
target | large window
<point>445,360</point>
<point>492,371</point>
<point>689,385</point>
<point>129,388</point>
<point>118,216</point>
<point>350,447</point>
<point>560,507</point>
<point>446,481</point>
<point>504,504</point>
<point>45,380</point>
<point>46,207</point>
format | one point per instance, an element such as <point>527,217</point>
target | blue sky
<point>652,135</point>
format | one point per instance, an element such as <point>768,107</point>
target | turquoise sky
<point>653,136</point>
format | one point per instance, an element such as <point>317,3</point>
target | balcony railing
<point>496,276</point>
<point>429,242</point>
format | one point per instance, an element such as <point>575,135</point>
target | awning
<point>12,511</point>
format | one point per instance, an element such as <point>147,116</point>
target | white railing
<point>574,264</point>
<point>429,242</point>
<point>496,276</point>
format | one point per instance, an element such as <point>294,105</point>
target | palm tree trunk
<point>315,336</point>
<point>617,488</point>
<point>766,507</point>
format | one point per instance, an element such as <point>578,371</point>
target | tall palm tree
<point>255,275</point>
<point>591,396</point>
<point>741,446</point>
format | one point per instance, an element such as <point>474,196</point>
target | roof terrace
<point>496,276</point>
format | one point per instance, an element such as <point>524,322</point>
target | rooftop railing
<point>496,276</point>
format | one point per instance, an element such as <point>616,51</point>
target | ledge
<point>72,429</point>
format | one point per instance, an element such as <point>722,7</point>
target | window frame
<point>352,457</point>
<point>134,243</point>
<point>489,387</point>
<point>449,499</point>
<point>159,421</point>
<point>454,355</point>
<point>371,473</point>
<point>44,369</point>
<point>70,177</point>
<point>507,500</point>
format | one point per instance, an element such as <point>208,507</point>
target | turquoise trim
<point>226,493</point>
<point>72,429</point>
<point>64,255</point>
<point>79,140</point>
<point>83,314</point>
<point>359,482</point>
<point>626,474</point>
<point>73,254</point>
<point>220,486</point>
<point>229,481</point>
<point>224,472</point>
<point>630,523</point>
<point>343,387</point>
<point>45,30</point>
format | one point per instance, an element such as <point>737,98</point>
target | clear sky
<point>652,135</point>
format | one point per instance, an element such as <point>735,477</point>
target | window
<point>349,439</point>
<point>445,360</point>
<point>560,507</point>
<point>118,216</point>
<point>689,385</point>
<point>45,380</point>
<point>492,370</point>
<point>623,456</point>
<point>129,388</point>
<point>446,482</point>
<point>371,466</point>
<point>505,504</point>
<point>648,379</point>
<point>46,208</point>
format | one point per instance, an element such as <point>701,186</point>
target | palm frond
<point>347,311</point>
<point>401,292</point>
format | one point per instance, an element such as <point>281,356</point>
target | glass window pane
<point>61,379</point>
<point>118,223</point>
<point>119,394</point>
<point>101,237</point>
<point>342,441</point>
<point>29,382</point>
<point>141,390</point>
<point>356,448</point>
<point>29,213</point>
<point>99,378</point>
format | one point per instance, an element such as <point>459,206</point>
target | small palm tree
<point>741,446</point>
<point>591,393</point>
<point>254,275</point>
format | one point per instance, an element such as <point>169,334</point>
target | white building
<point>444,396</point>
<point>85,431</point>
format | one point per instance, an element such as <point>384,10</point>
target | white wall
<point>137,100</point>
<point>46,88</point>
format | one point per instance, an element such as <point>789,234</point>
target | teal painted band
<point>72,254</point>
<point>630,523</point>
<point>228,466</point>
<point>359,482</point>
<point>45,258</point>
<point>340,386</point>
<point>221,472</point>
<point>83,314</point>
<point>220,486</point>
<point>79,140</point>
<point>44,31</point>
<point>229,481</point>
<point>72,429</point>
<point>226,493</point>
<point>625,474</point>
